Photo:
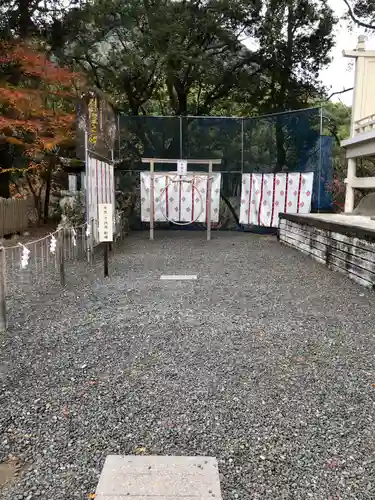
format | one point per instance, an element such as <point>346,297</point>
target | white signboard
<point>105,222</point>
<point>182,167</point>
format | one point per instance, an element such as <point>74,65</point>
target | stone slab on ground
<point>153,497</point>
<point>164,477</point>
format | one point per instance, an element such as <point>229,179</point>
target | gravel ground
<point>265,362</point>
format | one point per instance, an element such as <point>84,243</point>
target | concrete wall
<point>346,253</point>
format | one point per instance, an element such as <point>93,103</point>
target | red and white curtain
<point>180,199</point>
<point>100,188</point>
<point>264,196</point>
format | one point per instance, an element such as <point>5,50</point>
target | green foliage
<point>337,124</point>
<point>198,57</point>
<point>189,57</point>
<point>295,37</point>
<point>362,13</point>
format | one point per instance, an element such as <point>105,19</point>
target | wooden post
<point>61,256</point>
<point>106,251</point>
<point>90,241</point>
<point>209,193</point>
<point>152,199</point>
<point>3,317</point>
<point>80,242</point>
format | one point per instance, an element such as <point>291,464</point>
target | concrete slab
<point>178,277</point>
<point>122,497</point>
<point>164,477</point>
<point>361,221</point>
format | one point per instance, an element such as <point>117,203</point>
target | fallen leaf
<point>140,450</point>
<point>65,412</point>
<point>91,496</point>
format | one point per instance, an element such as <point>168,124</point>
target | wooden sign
<point>105,222</point>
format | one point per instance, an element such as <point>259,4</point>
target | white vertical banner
<point>247,182</point>
<point>256,202</point>
<point>280,198</point>
<point>200,197</point>
<point>264,196</point>
<point>100,188</point>
<point>267,195</point>
<point>104,170</point>
<point>161,195</point>
<point>293,186</point>
<point>107,185</point>
<point>305,193</point>
<point>99,176</point>
<point>187,204</point>
<point>145,196</point>
<point>111,191</point>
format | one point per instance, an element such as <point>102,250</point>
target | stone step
<point>159,478</point>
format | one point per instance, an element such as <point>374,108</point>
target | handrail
<point>365,124</point>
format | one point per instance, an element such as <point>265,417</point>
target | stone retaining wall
<point>344,249</point>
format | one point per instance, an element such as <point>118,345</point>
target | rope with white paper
<point>52,245</point>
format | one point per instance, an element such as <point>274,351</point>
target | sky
<point>340,74</point>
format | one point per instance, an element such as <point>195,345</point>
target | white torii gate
<point>153,161</point>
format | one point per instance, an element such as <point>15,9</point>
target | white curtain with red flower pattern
<point>264,196</point>
<point>180,199</point>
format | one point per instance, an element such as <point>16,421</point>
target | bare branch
<point>339,92</point>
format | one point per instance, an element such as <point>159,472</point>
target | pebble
<point>227,385</point>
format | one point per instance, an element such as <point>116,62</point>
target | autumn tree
<point>37,116</point>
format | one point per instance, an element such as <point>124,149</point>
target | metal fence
<point>33,268</point>
<point>284,142</point>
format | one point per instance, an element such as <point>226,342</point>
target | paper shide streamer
<point>52,245</point>
<point>25,256</point>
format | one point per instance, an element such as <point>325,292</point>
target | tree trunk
<point>36,198</point>
<point>280,144</point>
<point>47,195</point>
<point>4,185</point>
<point>5,163</point>
<point>25,24</point>
<point>284,93</point>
